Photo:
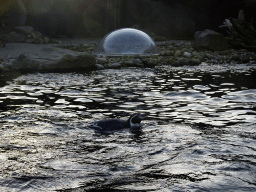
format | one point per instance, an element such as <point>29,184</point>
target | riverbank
<point>76,54</point>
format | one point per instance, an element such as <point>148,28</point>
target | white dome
<point>126,41</point>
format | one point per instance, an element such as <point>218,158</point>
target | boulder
<point>24,29</point>
<point>102,60</point>
<point>129,63</point>
<point>194,62</point>
<point>210,40</point>
<point>99,66</point>
<point>36,34</point>
<point>57,60</point>
<point>137,56</point>
<point>187,54</point>
<point>138,63</point>
<point>150,64</point>
<point>182,61</point>
<point>178,53</point>
<point>114,65</point>
<point>14,37</point>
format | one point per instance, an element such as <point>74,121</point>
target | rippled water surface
<point>198,134</point>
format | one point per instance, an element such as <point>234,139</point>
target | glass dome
<point>126,41</point>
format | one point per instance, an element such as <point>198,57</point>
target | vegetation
<point>241,32</point>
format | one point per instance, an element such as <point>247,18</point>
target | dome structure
<point>126,41</point>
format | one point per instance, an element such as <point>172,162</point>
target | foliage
<point>241,33</point>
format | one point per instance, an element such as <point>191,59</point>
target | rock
<point>46,40</point>
<point>182,61</point>
<point>187,54</point>
<point>180,44</point>
<point>209,56</point>
<point>1,66</point>
<point>163,53</point>
<point>150,63</point>
<point>137,56</point>
<point>59,60</point>
<point>196,34</point>
<point>184,50</point>
<point>137,61</point>
<point>235,57</point>
<point>48,49</point>
<point>24,29</point>
<point>2,44</point>
<point>170,53</point>
<point>138,65</point>
<point>175,63</point>
<point>114,65</point>
<point>129,63</point>
<point>36,34</point>
<point>178,53</point>
<point>14,37</point>
<point>99,66</point>
<point>195,53</point>
<point>30,40</point>
<point>210,40</point>
<point>39,41</point>
<point>102,60</point>
<point>194,62</point>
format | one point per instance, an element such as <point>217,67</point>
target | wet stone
<point>150,63</point>
<point>194,62</point>
<point>182,61</point>
<point>14,37</point>
<point>101,61</point>
<point>235,57</point>
<point>24,29</point>
<point>170,53</point>
<point>187,54</point>
<point>99,66</point>
<point>114,65</point>
<point>129,63</point>
<point>178,53</point>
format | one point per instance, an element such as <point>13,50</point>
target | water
<point>198,135</point>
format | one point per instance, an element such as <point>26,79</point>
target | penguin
<point>132,123</point>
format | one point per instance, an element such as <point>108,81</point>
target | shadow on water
<point>199,131</point>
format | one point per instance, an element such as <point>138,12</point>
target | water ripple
<point>198,131</point>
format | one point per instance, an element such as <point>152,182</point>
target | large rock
<point>24,29</point>
<point>54,60</point>
<point>14,37</point>
<point>114,66</point>
<point>36,34</point>
<point>210,40</point>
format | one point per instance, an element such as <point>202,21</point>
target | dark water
<point>198,135</point>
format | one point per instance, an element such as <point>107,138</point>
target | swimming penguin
<point>133,123</point>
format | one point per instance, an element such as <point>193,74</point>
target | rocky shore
<point>70,55</point>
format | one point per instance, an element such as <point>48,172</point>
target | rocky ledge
<point>76,55</point>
